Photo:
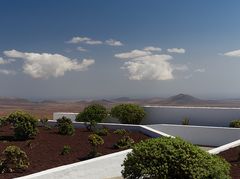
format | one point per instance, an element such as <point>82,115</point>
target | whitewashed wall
<point>201,135</point>
<point>202,116</point>
<point>104,167</point>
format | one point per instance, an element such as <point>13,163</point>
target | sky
<point>72,49</point>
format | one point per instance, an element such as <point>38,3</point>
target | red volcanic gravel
<point>233,157</point>
<point>46,147</point>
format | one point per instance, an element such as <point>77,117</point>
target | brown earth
<point>45,149</point>
<point>233,157</point>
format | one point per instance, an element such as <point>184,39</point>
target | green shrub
<point>92,115</point>
<point>3,121</point>
<point>235,123</point>
<point>44,123</point>
<point>13,159</point>
<point>102,132</point>
<point>66,150</point>
<point>25,125</point>
<point>65,126</point>
<point>124,143</point>
<point>128,113</point>
<point>185,121</point>
<point>173,158</point>
<point>121,132</point>
<point>94,140</point>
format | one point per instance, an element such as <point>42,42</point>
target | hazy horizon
<point>108,49</point>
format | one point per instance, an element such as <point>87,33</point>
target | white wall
<point>201,135</point>
<point>98,168</point>
<point>202,116</point>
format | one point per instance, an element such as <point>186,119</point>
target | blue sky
<point>106,49</point>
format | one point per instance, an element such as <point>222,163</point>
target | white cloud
<point>93,42</point>
<point>133,54</point>
<point>86,40</point>
<point>176,50</point>
<point>7,72</point>
<point>151,67</point>
<point>81,49</point>
<point>76,40</point>
<point>144,65</point>
<point>151,48</point>
<point>3,61</point>
<point>44,65</point>
<point>200,70</point>
<point>113,42</point>
<point>235,53</point>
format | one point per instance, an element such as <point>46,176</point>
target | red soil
<point>48,144</point>
<point>233,157</point>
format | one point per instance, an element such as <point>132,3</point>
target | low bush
<point>3,121</point>
<point>102,132</point>
<point>92,115</point>
<point>124,143</point>
<point>44,123</point>
<point>172,158</point>
<point>121,132</point>
<point>66,150</point>
<point>65,126</point>
<point>94,140</point>
<point>235,123</point>
<point>185,121</point>
<point>14,159</point>
<point>128,113</point>
<point>25,125</point>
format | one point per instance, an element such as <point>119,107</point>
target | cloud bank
<point>144,65</point>
<point>45,65</point>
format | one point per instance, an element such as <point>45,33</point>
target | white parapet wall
<point>201,116</point>
<point>105,167</point>
<point>201,135</point>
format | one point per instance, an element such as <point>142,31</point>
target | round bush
<point>91,115</point>
<point>235,123</point>
<point>25,125</point>
<point>128,113</point>
<point>172,158</point>
<point>94,112</point>
<point>13,159</point>
<point>65,126</point>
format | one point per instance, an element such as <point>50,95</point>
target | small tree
<point>95,140</point>
<point>128,113</point>
<point>235,123</point>
<point>25,125</point>
<point>65,126</point>
<point>172,158</point>
<point>91,115</point>
<point>13,159</point>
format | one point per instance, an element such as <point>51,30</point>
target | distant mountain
<point>183,99</point>
<point>11,100</point>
